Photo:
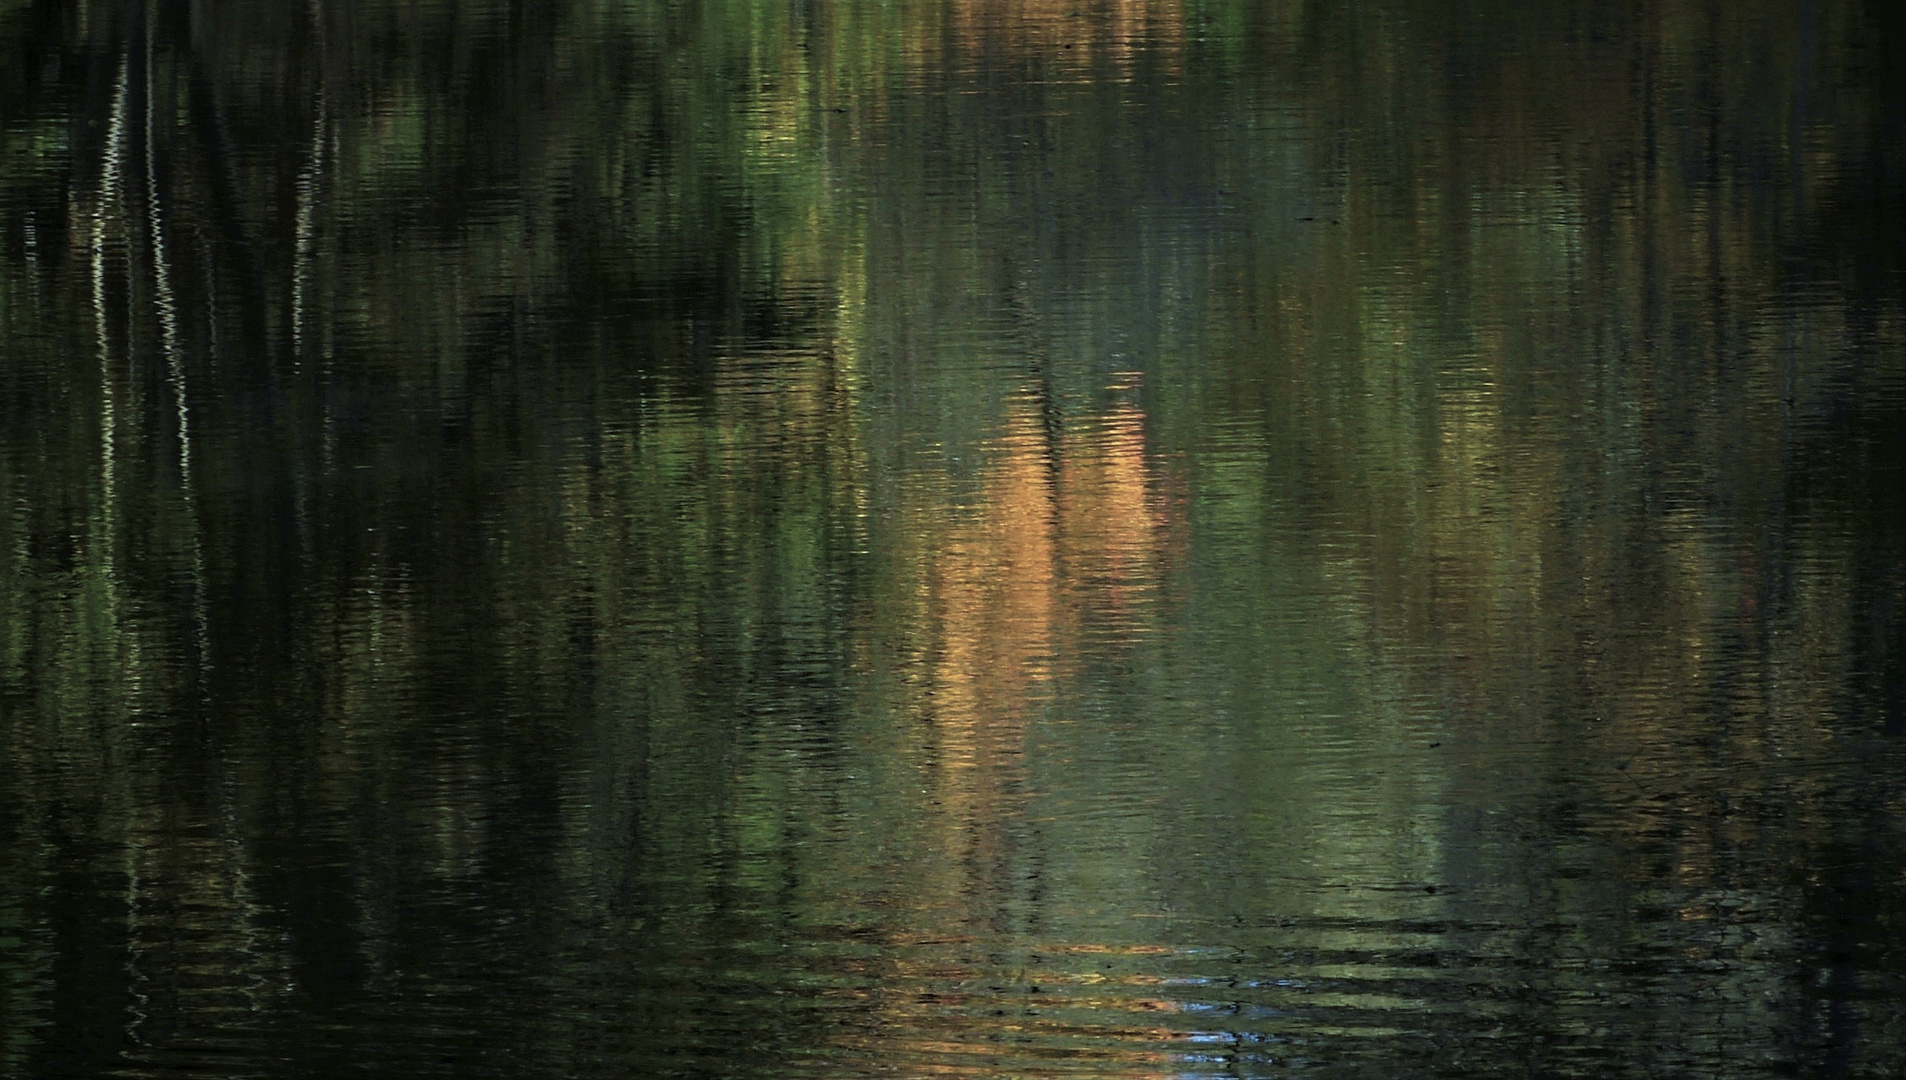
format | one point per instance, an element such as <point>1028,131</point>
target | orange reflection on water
<point>1058,552</point>
<point>1064,543</point>
<point>995,613</point>
<point>1112,522</point>
<point>1077,32</point>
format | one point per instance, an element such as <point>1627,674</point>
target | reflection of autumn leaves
<point>1062,545</point>
<point>991,625</point>
<point>996,593</point>
<point>1065,542</point>
<point>1113,525</point>
<point>1113,29</point>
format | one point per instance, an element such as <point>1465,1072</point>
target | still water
<point>986,538</point>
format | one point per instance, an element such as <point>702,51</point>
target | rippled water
<point>990,539</point>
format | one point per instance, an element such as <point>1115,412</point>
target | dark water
<point>980,538</point>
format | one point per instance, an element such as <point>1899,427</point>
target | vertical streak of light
<point>110,191</point>
<point>175,362</point>
<point>30,235</point>
<point>162,278</point>
<point>308,182</point>
<point>112,195</point>
<point>310,179</point>
<point>327,333</point>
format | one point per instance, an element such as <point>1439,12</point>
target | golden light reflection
<point>1063,542</point>
<point>1113,519</point>
<point>1058,548</point>
<point>1079,32</point>
<point>994,615</point>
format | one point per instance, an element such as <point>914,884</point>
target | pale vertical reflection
<point>304,230</point>
<point>168,312</point>
<point>111,194</point>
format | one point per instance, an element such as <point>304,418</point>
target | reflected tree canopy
<point>738,538</point>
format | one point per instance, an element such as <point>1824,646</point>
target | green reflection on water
<point>991,539</point>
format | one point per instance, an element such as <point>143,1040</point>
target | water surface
<point>982,539</point>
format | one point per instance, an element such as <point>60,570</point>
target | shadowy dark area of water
<point>986,539</point>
